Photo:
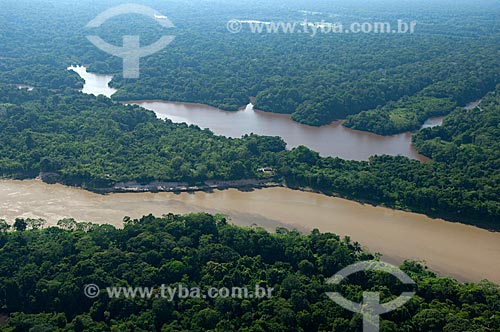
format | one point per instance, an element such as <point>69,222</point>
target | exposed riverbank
<point>155,186</point>
<point>207,186</point>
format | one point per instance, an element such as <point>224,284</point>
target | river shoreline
<point>154,186</point>
<point>178,187</point>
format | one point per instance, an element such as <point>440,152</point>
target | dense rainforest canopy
<point>44,272</point>
<point>94,142</point>
<point>379,83</point>
<point>385,83</point>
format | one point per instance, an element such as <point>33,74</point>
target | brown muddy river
<point>333,140</point>
<point>464,252</point>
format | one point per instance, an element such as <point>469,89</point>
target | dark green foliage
<point>94,142</point>
<point>42,281</point>
<point>408,114</point>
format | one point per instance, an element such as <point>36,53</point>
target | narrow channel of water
<point>438,120</point>
<point>433,122</point>
<point>94,84</point>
